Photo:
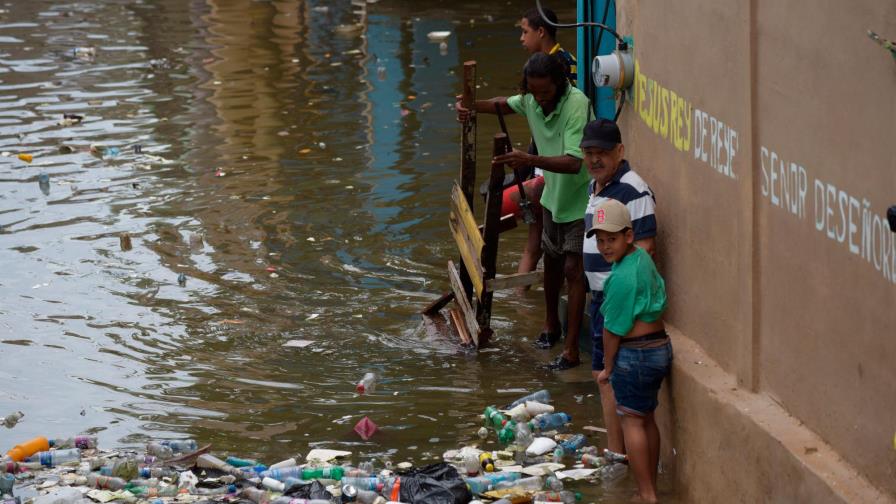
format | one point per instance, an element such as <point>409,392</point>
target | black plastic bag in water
<point>313,490</point>
<point>434,484</point>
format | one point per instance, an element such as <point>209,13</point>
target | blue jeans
<point>637,377</point>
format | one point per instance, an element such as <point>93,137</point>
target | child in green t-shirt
<point>637,350</point>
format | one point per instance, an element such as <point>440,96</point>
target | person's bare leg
<point>653,445</point>
<point>532,250</point>
<point>636,446</point>
<point>573,272</point>
<point>553,281</point>
<point>615,441</point>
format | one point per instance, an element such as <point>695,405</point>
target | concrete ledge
<point>726,444</point>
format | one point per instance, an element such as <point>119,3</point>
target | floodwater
<point>297,173</point>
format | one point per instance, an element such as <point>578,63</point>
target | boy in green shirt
<point>637,350</point>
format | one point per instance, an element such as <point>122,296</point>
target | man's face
<point>603,164</point>
<point>530,38</point>
<point>544,91</point>
<point>613,246</point>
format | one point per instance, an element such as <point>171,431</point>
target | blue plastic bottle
<point>551,421</point>
<point>572,444</point>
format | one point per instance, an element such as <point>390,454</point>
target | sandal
<point>546,340</point>
<point>561,363</point>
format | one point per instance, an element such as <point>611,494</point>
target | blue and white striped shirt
<point>629,188</point>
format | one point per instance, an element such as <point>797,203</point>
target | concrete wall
<point>767,130</point>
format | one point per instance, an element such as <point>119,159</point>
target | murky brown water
<point>337,150</point>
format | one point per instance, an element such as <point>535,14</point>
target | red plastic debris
<point>365,428</point>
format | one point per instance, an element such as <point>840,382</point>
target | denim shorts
<point>637,376</point>
<point>597,331</point>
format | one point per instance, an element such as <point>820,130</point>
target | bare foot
<point>638,498</point>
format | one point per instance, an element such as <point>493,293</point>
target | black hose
<point>622,42</point>
<point>619,108</point>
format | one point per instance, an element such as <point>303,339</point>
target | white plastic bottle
<point>367,384</point>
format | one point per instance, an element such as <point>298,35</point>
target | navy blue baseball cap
<point>601,133</point>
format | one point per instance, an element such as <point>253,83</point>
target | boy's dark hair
<point>536,21</point>
<point>545,65</point>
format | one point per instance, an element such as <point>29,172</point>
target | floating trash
<point>84,53</point>
<point>66,470</point>
<point>10,421</point>
<point>365,428</point>
<point>70,119</point>
<point>297,343</point>
<point>26,157</point>
<point>124,240</point>
<point>102,151</point>
<point>438,36</point>
<point>182,279</point>
<point>43,181</point>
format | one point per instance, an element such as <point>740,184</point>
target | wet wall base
<point>726,444</point>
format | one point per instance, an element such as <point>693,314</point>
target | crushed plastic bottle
<point>105,482</point>
<point>290,462</point>
<point>471,463</point>
<point>486,482</point>
<point>332,472</point>
<point>529,484</point>
<point>523,436</point>
<point>53,458</point>
<point>552,482</point>
<point>181,445</point>
<point>541,396</point>
<point>551,421</point>
<point>589,460</point>
<point>10,421</point>
<point>159,450</point>
<point>571,444</point>
<point>84,53</point>
<point>240,462</point>
<point>367,384</point>
<point>7,481</point>
<point>494,418</point>
<point>615,457</point>
<point>157,472</point>
<point>82,442</point>
<point>564,496</point>
<point>613,471</point>
<point>43,182</point>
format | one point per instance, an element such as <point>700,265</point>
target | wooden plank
<point>468,134</point>
<point>465,217</point>
<point>468,254</point>
<point>463,303</point>
<point>458,318</point>
<point>501,282</point>
<point>439,303</point>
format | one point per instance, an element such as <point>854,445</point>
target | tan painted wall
<point>754,276</point>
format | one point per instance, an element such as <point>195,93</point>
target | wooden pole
<point>490,233</point>
<point>468,136</point>
<point>468,158</point>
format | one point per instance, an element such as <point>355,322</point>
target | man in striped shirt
<point>613,178</point>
